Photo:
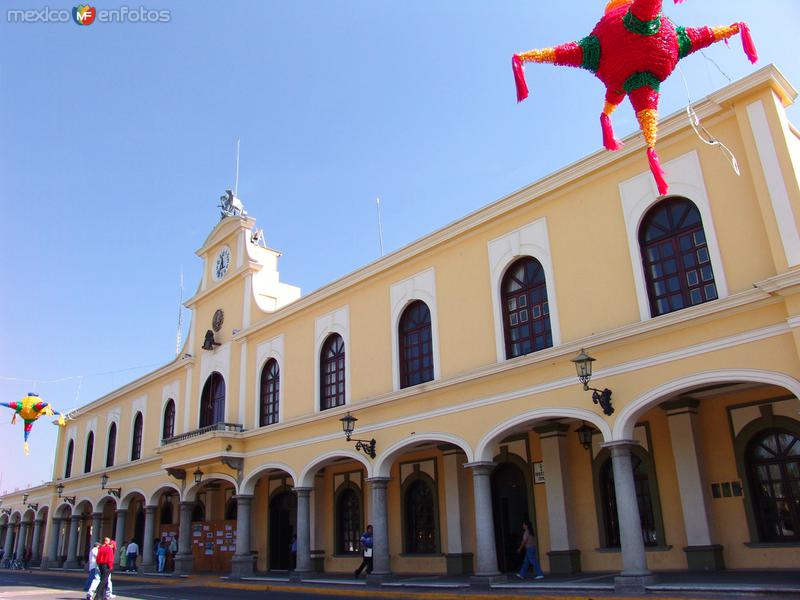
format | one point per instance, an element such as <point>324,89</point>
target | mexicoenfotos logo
<point>83,14</point>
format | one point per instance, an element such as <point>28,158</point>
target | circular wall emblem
<point>219,317</point>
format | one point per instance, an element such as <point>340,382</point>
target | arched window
<point>526,312</point>
<point>212,402</point>
<point>199,511</point>
<point>416,347</point>
<point>136,447</point>
<point>675,258</point>
<point>644,495</point>
<point>87,463</point>
<point>331,372</point>
<point>68,467</point>
<point>270,392</point>
<point>348,519</point>
<point>169,420</point>
<point>112,445</point>
<point>773,462</point>
<point>420,517</point>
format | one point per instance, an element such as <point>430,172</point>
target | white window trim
<point>113,417</point>
<point>138,405</point>
<point>337,321</point>
<point>171,390</point>
<point>272,348</point>
<point>421,286</point>
<point>72,435</point>
<point>529,240</point>
<point>218,360</point>
<point>639,194</point>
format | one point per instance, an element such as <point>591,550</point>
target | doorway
<point>510,508</point>
<point>282,522</point>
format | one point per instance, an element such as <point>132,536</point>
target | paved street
<point>728,585</point>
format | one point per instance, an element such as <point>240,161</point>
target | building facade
<point>454,353</point>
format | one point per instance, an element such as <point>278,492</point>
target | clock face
<point>222,263</point>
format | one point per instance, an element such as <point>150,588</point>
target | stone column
<point>564,557</point>
<point>183,559</point>
<point>303,566</point>
<point>97,523</point>
<point>701,553</point>
<point>635,575</point>
<point>36,556</point>
<point>242,562</point>
<point>119,534</point>
<point>23,533</point>
<point>9,543</point>
<point>318,514</point>
<point>485,552</point>
<point>51,558</point>
<point>381,567</point>
<point>148,561</point>
<point>72,544</point>
<point>458,561</point>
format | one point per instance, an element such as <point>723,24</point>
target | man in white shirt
<point>94,575</point>
<point>133,553</point>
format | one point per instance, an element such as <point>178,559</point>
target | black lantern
<point>583,365</point>
<point>113,491</point>
<point>68,499</point>
<point>198,475</point>
<point>25,497</point>
<point>348,425</point>
<point>585,436</point>
<point>365,446</point>
<point>34,506</point>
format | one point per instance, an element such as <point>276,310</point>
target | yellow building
<point>454,353</point>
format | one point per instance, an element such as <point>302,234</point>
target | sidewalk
<point>581,586</point>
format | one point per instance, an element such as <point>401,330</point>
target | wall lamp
<point>198,475</point>
<point>34,506</point>
<point>583,365</point>
<point>585,436</point>
<point>113,491</point>
<point>25,497</point>
<point>60,490</point>
<point>365,446</point>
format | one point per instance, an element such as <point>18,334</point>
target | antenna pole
<point>380,227</point>
<point>236,180</point>
<point>179,335</point>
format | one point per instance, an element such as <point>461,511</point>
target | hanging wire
<point>704,134</point>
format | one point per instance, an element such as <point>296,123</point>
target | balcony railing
<point>229,427</point>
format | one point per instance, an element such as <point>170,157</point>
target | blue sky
<point>117,141</point>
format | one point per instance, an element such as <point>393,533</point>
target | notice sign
<point>538,472</point>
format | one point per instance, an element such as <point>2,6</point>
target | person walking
<point>123,556</point>
<point>133,553</point>
<point>528,544</point>
<point>91,566</point>
<point>161,555</point>
<point>366,552</point>
<point>105,564</point>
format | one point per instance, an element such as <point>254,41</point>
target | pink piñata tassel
<point>609,141</point>
<point>747,42</point>
<point>657,171</point>
<point>519,78</point>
